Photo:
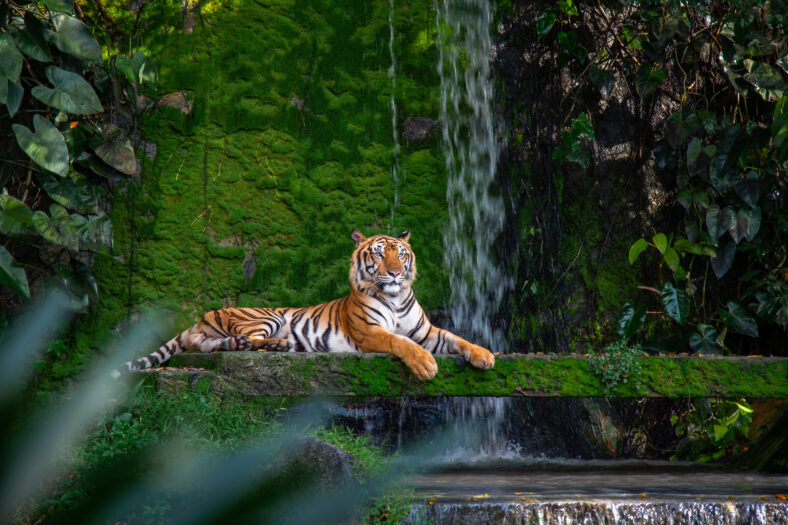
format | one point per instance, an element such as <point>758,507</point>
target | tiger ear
<point>404,235</point>
<point>357,236</point>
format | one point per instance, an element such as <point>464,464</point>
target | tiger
<point>381,314</point>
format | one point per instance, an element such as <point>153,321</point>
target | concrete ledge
<point>381,375</point>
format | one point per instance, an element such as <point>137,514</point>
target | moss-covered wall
<point>287,147</point>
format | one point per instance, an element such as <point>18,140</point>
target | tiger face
<point>382,264</point>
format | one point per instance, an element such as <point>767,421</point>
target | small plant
<point>616,364</point>
<point>712,428</point>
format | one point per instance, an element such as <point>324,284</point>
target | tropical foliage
<point>70,118</point>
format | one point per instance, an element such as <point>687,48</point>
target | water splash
<point>396,170</point>
<point>476,213</point>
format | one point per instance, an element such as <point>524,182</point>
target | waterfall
<point>476,213</point>
<point>396,170</point>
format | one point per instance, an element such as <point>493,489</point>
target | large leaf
<point>739,319</point>
<point>747,188</point>
<point>15,217</point>
<point>780,122</point>
<point>12,274</point>
<point>126,67</point>
<point>147,74</point>
<point>544,23</point>
<point>636,249</point>
<point>718,221</point>
<point>117,151</point>
<point>10,58</point>
<point>31,40</point>
<point>46,146</point>
<point>61,6</point>
<point>71,93</point>
<point>73,192</point>
<point>96,232</point>
<point>676,302</point>
<point>74,38</point>
<point>672,259</point>
<point>693,152</point>
<point>723,260</point>
<point>661,242</point>
<point>767,80</point>
<point>630,319</point>
<point>59,228</point>
<point>14,97</point>
<point>648,79</point>
<point>704,340</point>
<point>746,224</point>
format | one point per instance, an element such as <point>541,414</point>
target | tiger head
<point>382,264</point>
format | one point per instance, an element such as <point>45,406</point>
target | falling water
<point>396,170</point>
<point>476,213</point>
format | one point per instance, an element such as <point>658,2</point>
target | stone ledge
<point>381,375</point>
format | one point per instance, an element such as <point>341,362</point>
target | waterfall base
<point>604,492</point>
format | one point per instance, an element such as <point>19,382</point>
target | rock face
<point>418,128</point>
<point>316,460</point>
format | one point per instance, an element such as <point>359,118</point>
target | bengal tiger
<point>381,314</point>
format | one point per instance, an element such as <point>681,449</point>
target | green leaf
<point>117,151</point>
<point>71,93</point>
<point>60,6</point>
<point>146,71</point>
<point>3,90</point>
<point>660,241</point>
<point>126,67</point>
<point>719,432</point>
<point>14,97</point>
<point>739,319</point>
<point>10,58</point>
<point>568,7</point>
<point>685,245</point>
<point>583,125</point>
<point>12,274</point>
<point>74,38</point>
<point>744,408</point>
<point>46,146</point>
<point>768,81</point>
<point>73,192</point>
<point>693,152</point>
<point>648,79</point>
<point>544,23</point>
<point>636,249</point>
<point>753,217</point>
<point>15,217</point>
<point>96,232</point>
<point>676,302</point>
<point>748,188</point>
<point>704,340</point>
<point>780,122</point>
<point>59,228</point>
<point>672,259</point>
<point>629,321</point>
<point>31,40</point>
<point>723,261</point>
<point>718,221</point>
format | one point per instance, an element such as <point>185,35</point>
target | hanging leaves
<point>12,274</point>
<point>15,217</point>
<point>704,340</point>
<point>74,38</point>
<point>31,40</point>
<point>676,302</point>
<point>117,151</point>
<point>71,93</point>
<point>73,192</point>
<point>739,319</point>
<point>747,188</point>
<point>723,260</point>
<point>10,58</point>
<point>629,321</point>
<point>46,146</point>
<point>58,228</point>
<point>718,221</point>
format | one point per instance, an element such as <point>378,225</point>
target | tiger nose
<point>394,273</point>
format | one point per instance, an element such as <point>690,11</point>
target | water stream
<point>396,169</point>
<point>476,212</point>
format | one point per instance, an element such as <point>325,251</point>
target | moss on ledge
<point>339,374</point>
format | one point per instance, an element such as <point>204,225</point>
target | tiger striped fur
<point>381,314</point>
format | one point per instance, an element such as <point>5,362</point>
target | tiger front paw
<point>422,364</point>
<point>480,357</point>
